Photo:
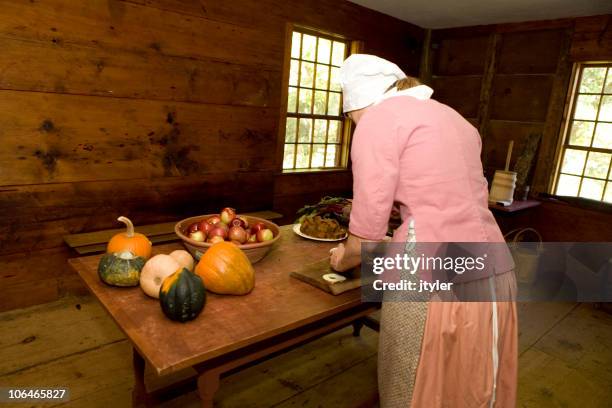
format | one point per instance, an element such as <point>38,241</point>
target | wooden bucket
<point>502,187</point>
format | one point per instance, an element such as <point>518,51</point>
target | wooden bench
<point>92,242</point>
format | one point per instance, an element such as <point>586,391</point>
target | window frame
<point>347,127</point>
<point>565,129</point>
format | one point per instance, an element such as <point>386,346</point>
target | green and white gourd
<point>120,268</point>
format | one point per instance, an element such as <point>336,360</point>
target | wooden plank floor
<point>565,361</point>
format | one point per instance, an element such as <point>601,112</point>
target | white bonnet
<point>365,78</point>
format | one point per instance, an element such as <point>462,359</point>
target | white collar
<point>421,92</point>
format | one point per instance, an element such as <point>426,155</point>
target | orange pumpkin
<point>226,270</point>
<point>131,241</point>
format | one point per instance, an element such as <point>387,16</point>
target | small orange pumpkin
<point>226,270</point>
<point>131,241</point>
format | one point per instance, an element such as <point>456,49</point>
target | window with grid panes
<point>314,130</point>
<point>585,162</point>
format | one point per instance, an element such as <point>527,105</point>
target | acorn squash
<point>226,270</point>
<point>182,295</point>
<point>120,268</point>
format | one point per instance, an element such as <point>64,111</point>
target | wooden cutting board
<point>313,275</point>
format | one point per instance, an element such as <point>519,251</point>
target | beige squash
<point>155,271</point>
<point>184,258</point>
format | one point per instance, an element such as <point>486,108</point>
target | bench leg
<point>357,325</point>
<point>208,384</point>
<point>140,398</point>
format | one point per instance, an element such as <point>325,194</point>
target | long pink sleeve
<point>375,156</point>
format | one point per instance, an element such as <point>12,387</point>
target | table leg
<point>140,397</point>
<point>208,384</point>
<point>357,325</point>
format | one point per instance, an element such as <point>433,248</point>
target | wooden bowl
<point>255,251</point>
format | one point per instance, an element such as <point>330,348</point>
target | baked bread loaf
<point>318,227</point>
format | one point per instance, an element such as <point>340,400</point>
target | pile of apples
<point>227,226</point>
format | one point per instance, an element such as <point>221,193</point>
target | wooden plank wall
<point>500,78</point>
<point>153,109</point>
<point>511,80</point>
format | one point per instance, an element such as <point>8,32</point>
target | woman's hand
<point>336,258</point>
<point>345,257</point>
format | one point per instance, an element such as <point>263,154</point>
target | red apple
<point>237,233</point>
<point>258,226</point>
<point>264,235</point>
<point>205,227</point>
<point>193,227</point>
<point>228,214</point>
<point>244,220</point>
<point>217,232</point>
<point>197,236</point>
<point>215,219</point>
<point>215,239</point>
<point>237,222</point>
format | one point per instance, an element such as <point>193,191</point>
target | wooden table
<point>519,214</point>
<point>232,331</point>
<point>517,205</point>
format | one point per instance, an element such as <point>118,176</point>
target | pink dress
<point>424,157</point>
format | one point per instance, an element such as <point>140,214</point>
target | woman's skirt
<point>450,354</point>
